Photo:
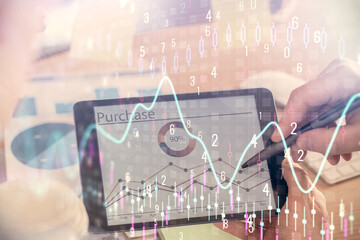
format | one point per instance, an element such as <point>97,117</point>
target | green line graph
<point>101,130</point>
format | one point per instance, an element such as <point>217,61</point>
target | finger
<point>333,124</point>
<point>353,117</point>
<point>318,140</point>
<point>302,200</point>
<point>331,67</point>
<point>325,89</point>
<point>346,156</point>
<point>297,154</point>
<point>301,101</point>
<point>295,193</point>
<point>300,174</point>
<point>334,159</point>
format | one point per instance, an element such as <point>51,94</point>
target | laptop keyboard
<point>333,174</point>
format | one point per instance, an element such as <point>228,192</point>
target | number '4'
<point>266,189</point>
<point>213,72</point>
<point>253,140</point>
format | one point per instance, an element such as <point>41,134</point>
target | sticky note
<point>201,231</point>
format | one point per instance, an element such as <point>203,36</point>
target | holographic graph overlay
<point>168,80</point>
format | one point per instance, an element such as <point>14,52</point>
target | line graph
<point>171,189</point>
<point>211,188</point>
<point>165,79</point>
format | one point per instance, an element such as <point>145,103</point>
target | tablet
<point>168,160</point>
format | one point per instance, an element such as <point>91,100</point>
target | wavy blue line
<point>166,78</point>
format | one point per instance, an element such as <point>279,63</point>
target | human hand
<point>338,82</point>
<point>286,230</point>
<point>297,202</point>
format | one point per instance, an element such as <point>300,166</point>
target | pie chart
<point>46,146</point>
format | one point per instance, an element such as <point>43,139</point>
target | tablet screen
<point>158,172</point>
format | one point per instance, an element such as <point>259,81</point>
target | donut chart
<point>169,150</point>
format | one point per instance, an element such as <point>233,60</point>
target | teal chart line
<point>166,78</point>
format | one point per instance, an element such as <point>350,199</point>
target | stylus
<point>323,120</point>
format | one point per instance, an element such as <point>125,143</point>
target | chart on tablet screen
<point>161,172</point>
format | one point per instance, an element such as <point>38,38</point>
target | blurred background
<point>99,49</point>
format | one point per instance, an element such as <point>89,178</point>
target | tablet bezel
<point>91,176</point>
